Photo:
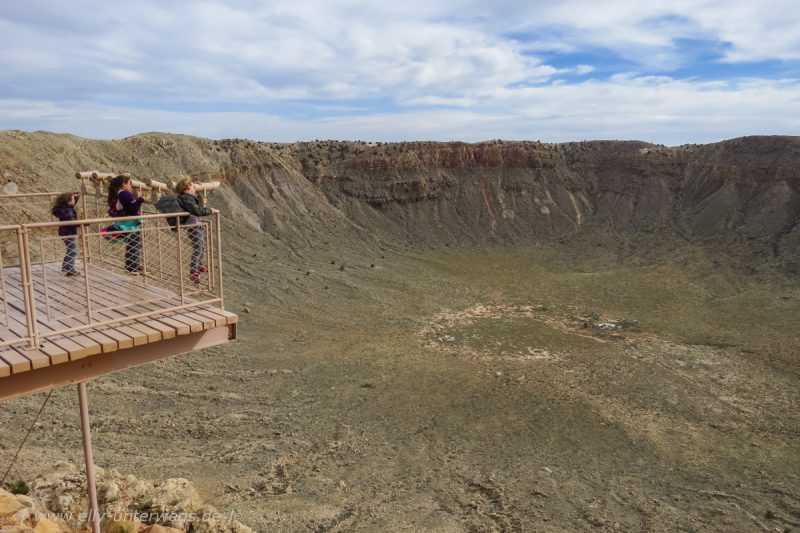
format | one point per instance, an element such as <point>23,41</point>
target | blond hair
<point>183,185</point>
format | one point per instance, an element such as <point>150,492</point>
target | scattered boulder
<point>127,505</point>
<point>607,326</point>
<point>9,187</point>
<point>9,503</point>
<point>20,513</point>
<point>623,323</point>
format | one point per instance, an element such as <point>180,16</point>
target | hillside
<point>742,195</point>
<point>424,341</point>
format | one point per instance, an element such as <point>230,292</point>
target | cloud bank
<point>664,72</point>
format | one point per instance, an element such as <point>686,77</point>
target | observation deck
<point>57,329</point>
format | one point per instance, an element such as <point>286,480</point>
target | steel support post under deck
<point>94,514</point>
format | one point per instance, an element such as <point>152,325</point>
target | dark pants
<point>72,252</point>
<point>133,250</point>
<point>197,235</point>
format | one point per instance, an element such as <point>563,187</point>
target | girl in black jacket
<point>64,210</point>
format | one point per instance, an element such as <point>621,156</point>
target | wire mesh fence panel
<point>110,271</point>
<point>13,325</point>
<point>26,208</point>
<point>23,208</point>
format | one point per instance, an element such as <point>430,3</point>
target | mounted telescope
<point>101,180</point>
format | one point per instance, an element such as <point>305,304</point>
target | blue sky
<point>669,72</point>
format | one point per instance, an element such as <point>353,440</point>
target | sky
<point>662,71</point>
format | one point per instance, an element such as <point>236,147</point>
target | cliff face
<point>742,194</point>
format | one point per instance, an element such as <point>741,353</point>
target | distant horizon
<point>662,73</point>
<point>371,141</point>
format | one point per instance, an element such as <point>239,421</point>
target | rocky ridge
<point>740,196</point>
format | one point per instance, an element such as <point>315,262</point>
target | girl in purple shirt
<point>123,203</point>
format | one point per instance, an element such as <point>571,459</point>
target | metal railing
<point>30,206</point>
<point>119,274</point>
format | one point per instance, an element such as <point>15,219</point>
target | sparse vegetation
<point>461,381</point>
<point>19,487</point>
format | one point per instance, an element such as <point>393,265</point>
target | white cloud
<point>484,61</point>
<point>751,30</point>
<point>439,101</point>
<point>122,74</point>
<point>654,109</point>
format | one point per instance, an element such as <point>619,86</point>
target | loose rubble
<point>58,503</point>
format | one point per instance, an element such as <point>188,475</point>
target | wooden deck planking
<point>138,333</point>
<point>176,320</point>
<point>113,297</point>
<point>141,331</point>
<point>74,345</point>
<point>151,324</point>
<point>43,356</point>
<point>223,317</point>
<point>14,361</point>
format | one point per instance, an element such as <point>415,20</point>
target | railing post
<point>218,230</point>
<point>86,258</point>
<point>27,289</point>
<point>44,282</point>
<point>180,260</point>
<point>158,249</point>
<point>84,190</point>
<point>143,259</point>
<point>3,282</point>
<point>209,251</point>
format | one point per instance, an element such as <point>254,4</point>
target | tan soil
<point>340,408</point>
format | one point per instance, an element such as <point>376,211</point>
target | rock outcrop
<point>58,503</point>
<point>22,513</point>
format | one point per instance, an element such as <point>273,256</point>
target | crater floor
<point>470,392</point>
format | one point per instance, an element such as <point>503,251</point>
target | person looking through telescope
<point>187,198</point>
<point>123,203</point>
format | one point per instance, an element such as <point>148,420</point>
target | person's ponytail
<point>113,190</point>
